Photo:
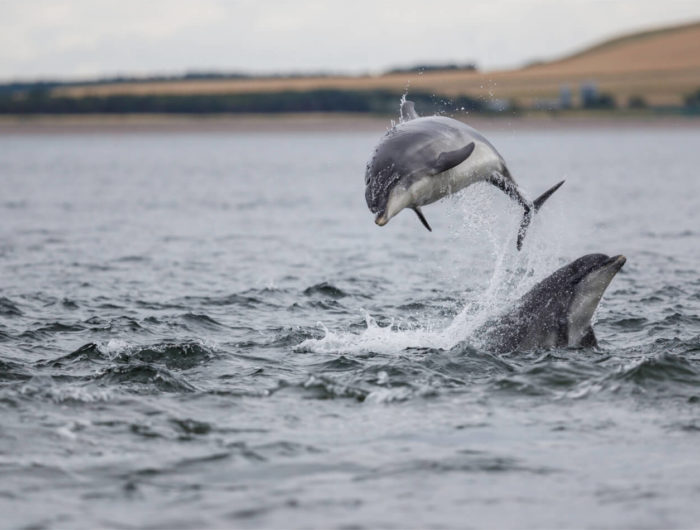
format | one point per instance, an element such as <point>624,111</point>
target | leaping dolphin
<point>556,312</point>
<point>421,160</point>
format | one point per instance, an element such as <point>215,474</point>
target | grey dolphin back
<point>419,150</point>
<point>407,156</point>
<point>538,314</point>
<point>446,160</point>
<point>549,314</point>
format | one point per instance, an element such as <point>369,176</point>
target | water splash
<point>375,339</point>
<point>477,222</point>
<point>402,102</point>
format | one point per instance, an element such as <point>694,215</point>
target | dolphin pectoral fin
<point>408,110</point>
<point>450,159</point>
<point>422,218</point>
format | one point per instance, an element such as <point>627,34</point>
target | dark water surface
<point>208,330</point>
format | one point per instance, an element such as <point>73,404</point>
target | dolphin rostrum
<point>557,311</point>
<point>421,160</point>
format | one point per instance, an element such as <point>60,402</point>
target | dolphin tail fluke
<point>422,218</point>
<point>539,201</point>
<point>531,210</point>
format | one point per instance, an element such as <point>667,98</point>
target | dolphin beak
<point>381,219</point>
<point>619,261</point>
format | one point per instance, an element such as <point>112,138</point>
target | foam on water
<point>479,219</point>
<point>375,338</point>
<point>148,378</point>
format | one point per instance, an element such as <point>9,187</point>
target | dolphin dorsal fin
<point>408,110</point>
<point>449,159</point>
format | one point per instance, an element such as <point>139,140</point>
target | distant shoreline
<point>311,122</point>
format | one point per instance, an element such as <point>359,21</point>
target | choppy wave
<point>263,366</point>
<point>9,308</point>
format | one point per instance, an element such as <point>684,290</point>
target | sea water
<point>206,329</point>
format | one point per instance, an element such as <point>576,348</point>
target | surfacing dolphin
<point>421,160</point>
<point>557,311</point>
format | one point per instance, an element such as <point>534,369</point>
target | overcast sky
<point>88,38</point>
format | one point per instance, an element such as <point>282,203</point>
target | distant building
<point>589,94</point>
<point>565,97</point>
<point>498,105</point>
<point>546,104</point>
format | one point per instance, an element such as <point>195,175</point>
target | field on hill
<point>661,66</point>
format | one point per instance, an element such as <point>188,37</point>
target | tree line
<point>323,100</point>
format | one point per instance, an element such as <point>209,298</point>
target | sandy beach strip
<point>309,123</point>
